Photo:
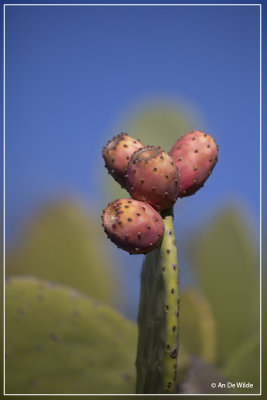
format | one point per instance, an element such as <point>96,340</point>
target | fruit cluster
<point>155,179</point>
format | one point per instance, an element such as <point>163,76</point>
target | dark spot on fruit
<point>114,226</point>
<point>127,158</point>
<point>134,171</point>
<point>129,201</point>
<point>193,138</point>
<point>125,145</point>
<point>138,214</point>
<point>135,142</point>
<point>210,159</point>
<point>139,235</point>
<point>208,145</point>
<point>196,150</point>
<point>155,169</point>
<point>144,208</point>
<point>142,180</point>
<point>148,226</point>
<point>180,159</point>
<point>129,219</point>
<point>126,206</point>
<point>166,176</point>
<point>172,163</point>
<point>154,188</point>
<point>162,157</point>
<point>205,134</point>
<point>178,147</point>
<point>166,194</point>
<point>159,235</point>
<point>112,160</point>
<point>195,168</point>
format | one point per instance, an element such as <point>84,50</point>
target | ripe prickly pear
<point>117,154</point>
<point>133,226</point>
<point>153,178</point>
<point>195,155</point>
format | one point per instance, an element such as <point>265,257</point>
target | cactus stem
<point>158,325</point>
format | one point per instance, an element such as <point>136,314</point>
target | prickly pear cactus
<point>158,329</point>
<point>154,178</point>
<point>59,341</point>
<point>63,244</point>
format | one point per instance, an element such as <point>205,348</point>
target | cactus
<point>158,326</point>
<point>153,177</point>
<point>63,234</point>
<point>60,341</point>
<point>133,226</point>
<point>117,153</point>
<point>195,155</point>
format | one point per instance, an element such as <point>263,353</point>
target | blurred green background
<point>71,297</point>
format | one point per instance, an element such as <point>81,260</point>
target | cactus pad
<point>59,341</point>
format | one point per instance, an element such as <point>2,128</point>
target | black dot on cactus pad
<point>168,251</point>
<point>174,353</point>
<point>169,385</point>
<point>166,308</point>
<point>168,347</point>
<point>174,328</point>
<point>172,291</point>
<point>174,267</point>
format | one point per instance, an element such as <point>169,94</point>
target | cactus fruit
<point>195,155</point>
<point>117,154</point>
<point>133,226</point>
<point>153,178</point>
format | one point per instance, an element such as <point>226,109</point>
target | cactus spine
<point>158,317</point>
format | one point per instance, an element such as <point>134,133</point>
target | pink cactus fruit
<point>195,155</point>
<point>153,178</point>
<point>117,154</point>
<point>133,226</point>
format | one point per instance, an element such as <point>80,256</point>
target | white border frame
<point>4,222</point>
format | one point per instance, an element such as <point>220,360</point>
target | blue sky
<point>71,72</point>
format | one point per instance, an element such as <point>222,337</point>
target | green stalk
<point>158,323</point>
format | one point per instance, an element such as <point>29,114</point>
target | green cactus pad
<point>59,341</point>
<point>225,260</point>
<point>197,326</point>
<point>64,244</point>
<point>158,326</point>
